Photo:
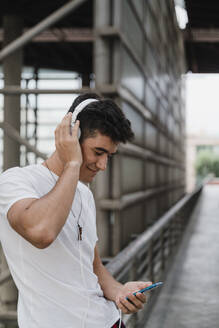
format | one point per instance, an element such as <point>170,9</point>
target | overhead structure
<point>202,36</point>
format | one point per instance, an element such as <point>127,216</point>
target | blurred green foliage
<point>207,162</point>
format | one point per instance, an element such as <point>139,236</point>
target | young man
<point>48,226</point>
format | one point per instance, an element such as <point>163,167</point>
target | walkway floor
<point>190,296</point>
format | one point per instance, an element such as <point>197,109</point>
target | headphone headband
<point>80,107</point>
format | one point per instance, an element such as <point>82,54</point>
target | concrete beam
<point>202,35</point>
<point>133,198</point>
<point>61,35</point>
<point>15,90</point>
<point>14,135</point>
<point>42,26</point>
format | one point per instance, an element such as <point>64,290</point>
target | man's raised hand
<point>67,145</point>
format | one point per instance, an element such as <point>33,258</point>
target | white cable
<point>83,278</point>
<point>120,318</point>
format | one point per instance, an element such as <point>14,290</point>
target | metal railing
<point>147,257</point>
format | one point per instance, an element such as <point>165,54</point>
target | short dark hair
<point>103,116</point>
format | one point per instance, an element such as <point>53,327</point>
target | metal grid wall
<point>145,55</point>
<point>37,123</point>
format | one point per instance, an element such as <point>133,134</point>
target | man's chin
<point>87,179</point>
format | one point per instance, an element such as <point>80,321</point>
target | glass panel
<point>151,210</point>
<point>163,144</point>
<point>151,174</point>
<point>132,174</point>
<point>150,136</point>
<point>150,99</point>
<point>136,121</point>
<point>49,115</point>
<point>132,222</point>
<point>163,174</point>
<point>154,5</point>
<point>132,78</point>
<point>163,116</point>
<point>151,27</point>
<point>150,63</point>
<point>139,5</point>
<point>132,30</point>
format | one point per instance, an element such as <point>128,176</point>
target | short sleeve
<point>14,186</point>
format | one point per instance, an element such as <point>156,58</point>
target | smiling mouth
<point>94,171</point>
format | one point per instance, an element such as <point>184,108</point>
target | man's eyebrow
<point>104,150</point>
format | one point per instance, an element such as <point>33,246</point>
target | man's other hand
<point>135,303</point>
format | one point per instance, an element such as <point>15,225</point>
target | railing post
<point>163,250</point>
<point>169,239</point>
<point>151,260</point>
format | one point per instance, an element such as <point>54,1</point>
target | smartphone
<point>155,285</point>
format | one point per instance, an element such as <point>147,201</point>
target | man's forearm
<point>49,213</point>
<point>108,284</point>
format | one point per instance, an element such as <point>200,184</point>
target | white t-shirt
<point>56,288</point>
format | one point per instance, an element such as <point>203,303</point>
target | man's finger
<point>131,307</point>
<point>141,297</point>
<point>123,308</point>
<point>65,130</point>
<point>74,130</point>
<point>136,302</point>
<point>143,284</point>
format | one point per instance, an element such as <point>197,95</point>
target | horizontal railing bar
<point>130,199</point>
<point>4,277</point>
<point>137,151</point>
<point>157,267</point>
<point>142,266</point>
<point>13,133</point>
<point>61,35</point>
<point>39,123</point>
<point>8,316</point>
<point>16,90</point>
<point>128,254</point>
<point>124,272</point>
<point>128,97</point>
<point>142,253</point>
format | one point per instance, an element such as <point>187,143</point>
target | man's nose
<point>101,164</point>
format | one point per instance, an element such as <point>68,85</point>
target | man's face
<point>96,151</point>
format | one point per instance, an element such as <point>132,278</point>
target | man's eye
<point>98,154</point>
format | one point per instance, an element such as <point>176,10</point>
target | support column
<point>85,79</point>
<point>12,66</point>
<point>102,76</point>
<point>101,46</point>
<point>12,75</point>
